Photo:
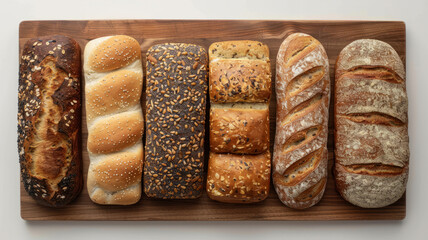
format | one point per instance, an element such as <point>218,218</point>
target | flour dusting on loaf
<point>300,151</point>
<point>371,137</point>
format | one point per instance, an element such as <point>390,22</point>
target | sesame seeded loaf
<point>300,155</point>
<point>371,138</point>
<point>240,88</point>
<point>49,115</point>
<point>113,86</point>
<point>176,103</point>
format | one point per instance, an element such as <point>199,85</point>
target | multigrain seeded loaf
<point>238,178</point>
<point>371,138</point>
<point>113,85</point>
<point>239,128</point>
<point>240,88</point>
<point>176,103</point>
<point>49,115</point>
<point>239,72</point>
<point>300,155</point>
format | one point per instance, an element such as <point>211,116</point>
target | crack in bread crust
<point>50,149</point>
<point>302,168</point>
<point>303,108</point>
<point>49,115</point>
<point>374,169</point>
<point>300,138</point>
<point>374,118</point>
<point>373,72</point>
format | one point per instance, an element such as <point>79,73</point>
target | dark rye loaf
<point>176,103</point>
<point>49,115</point>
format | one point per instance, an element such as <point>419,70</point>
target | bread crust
<point>113,85</point>
<point>239,130</point>
<point>49,115</point>
<point>371,136</point>
<point>240,89</point>
<point>240,80</point>
<point>115,92</point>
<point>113,53</point>
<point>235,178</point>
<point>245,49</point>
<point>300,151</point>
<point>176,81</point>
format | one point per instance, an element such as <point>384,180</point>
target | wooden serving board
<point>334,35</point>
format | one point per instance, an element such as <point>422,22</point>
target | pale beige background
<point>414,13</point>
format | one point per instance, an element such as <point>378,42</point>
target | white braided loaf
<point>113,86</point>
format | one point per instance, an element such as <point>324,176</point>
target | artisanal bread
<point>245,49</point>
<point>240,88</point>
<point>238,178</point>
<point>300,151</point>
<point>49,115</point>
<point>175,117</point>
<point>113,85</point>
<point>239,128</point>
<point>239,72</point>
<point>371,138</point>
<point>240,80</point>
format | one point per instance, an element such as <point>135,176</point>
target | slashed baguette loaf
<point>113,85</point>
<point>240,88</point>
<point>371,138</point>
<point>300,151</point>
<point>49,115</point>
<point>176,107</point>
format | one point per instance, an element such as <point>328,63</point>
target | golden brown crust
<point>117,91</point>
<point>245,49</point>
<point>240,80</point>
<point>49,114</point>
<point>300,150</point>
<point>234,178</point>
<point>176,103</point>
<point>114,133</point>
<point>114,53</point>
<point>118,171</point>
<point>240,89</point>
<point>125,196</point>
<point>371,137</point>
<point>298,48</point>
<point>239,130</point>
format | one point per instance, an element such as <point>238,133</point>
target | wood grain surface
<point>334,35</point>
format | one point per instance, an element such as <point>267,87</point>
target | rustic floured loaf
<point>371,138</point>
<point>113,84</point>
<point>300,155</point>
<point>49,115</point>
<point>240,88</point>
<point>176,106</point>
